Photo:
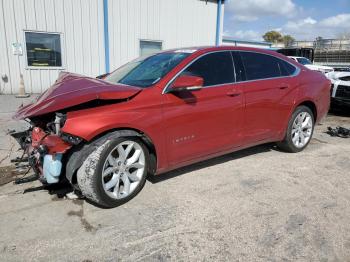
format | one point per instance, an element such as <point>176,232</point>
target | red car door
<point>206,121</point>
<point>269,92</point>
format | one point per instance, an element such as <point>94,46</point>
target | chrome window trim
<point>296,72</point>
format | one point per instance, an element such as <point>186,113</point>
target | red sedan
<point>165,111</point>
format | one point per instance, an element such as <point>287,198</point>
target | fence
<point>334,52</point>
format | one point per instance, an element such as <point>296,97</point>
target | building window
<point>149,47</point>
<point>43,49</point>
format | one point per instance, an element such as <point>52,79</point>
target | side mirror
<point>187,83</point>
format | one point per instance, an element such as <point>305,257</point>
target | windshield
<point>146,71</point>
<point>304,61</point>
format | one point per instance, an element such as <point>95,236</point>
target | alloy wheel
<point>123,169</point>
<point>302,129</point>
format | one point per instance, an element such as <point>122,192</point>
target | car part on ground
<point>339,131</point>
<point>340,89</point>
<point>161,112</point>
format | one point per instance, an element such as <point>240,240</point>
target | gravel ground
<point>258,204</point>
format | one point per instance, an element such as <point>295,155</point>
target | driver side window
<point>215,68</point>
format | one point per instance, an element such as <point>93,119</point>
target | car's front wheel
<point>115,172</point>
<point>299,131</point>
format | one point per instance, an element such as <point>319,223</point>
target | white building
<point>40,38</point>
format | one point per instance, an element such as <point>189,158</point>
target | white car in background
<point>340,91</point>
<point>307,63</point>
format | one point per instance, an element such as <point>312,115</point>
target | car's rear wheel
<point>299,131</point>
<point>115,172</point>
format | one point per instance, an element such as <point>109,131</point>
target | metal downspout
<point>106,34</point>
<point>218,23</point>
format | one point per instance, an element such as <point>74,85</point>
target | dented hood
<point>71,90</point>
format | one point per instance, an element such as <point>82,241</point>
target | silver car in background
<point>340,90</point>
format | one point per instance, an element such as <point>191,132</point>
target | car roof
<point>206,49</point>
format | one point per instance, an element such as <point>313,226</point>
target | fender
<point>89,124</point>
<point>93,125</point>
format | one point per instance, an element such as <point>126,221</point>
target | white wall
<point>177,23</point>
<point>81,25</point>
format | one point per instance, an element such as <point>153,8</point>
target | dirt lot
<point>258,204</point>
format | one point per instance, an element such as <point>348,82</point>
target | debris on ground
<point>72,196</point>
<point>8,174</point>
<point>339,131</point>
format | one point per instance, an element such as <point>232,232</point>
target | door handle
<point>283,86</point>
<point>233,94</point>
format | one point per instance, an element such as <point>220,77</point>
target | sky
<point>302,19</point>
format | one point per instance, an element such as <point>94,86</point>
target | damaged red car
<point>168,110</point>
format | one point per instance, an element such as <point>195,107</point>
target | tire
<point>108,165</point>
<point>297,131</point>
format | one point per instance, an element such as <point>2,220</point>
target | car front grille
<point>343,91</point>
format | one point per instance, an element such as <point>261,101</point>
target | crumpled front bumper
<point>43,152</point>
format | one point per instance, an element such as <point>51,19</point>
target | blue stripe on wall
<point>218,22</point>
<point>106,34</point>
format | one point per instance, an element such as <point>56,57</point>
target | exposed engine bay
<point>43,146</point>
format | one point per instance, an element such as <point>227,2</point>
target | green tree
<point>288,40</point>
<point>273,36</point>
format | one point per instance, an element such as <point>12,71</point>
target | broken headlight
<point>70,139</point>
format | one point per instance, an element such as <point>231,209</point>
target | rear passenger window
<point>286,68</point>
<point>215,68</point>
<point>260,66</point>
